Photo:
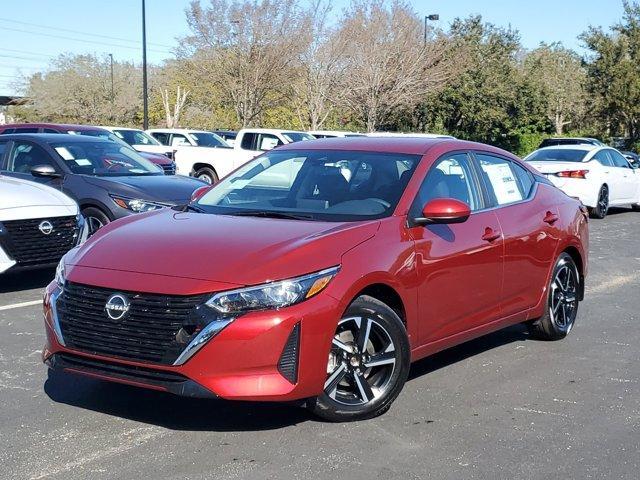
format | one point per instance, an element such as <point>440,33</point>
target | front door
<point>459,266</point>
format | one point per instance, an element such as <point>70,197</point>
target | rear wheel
<point>562,302</point>
<point>95,218</point>
<point>207,174</point>
<point>368,363</point>
<point>602,207</point>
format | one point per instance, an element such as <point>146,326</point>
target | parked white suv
<point>38,224</point>
<point>599,176</point>
<point>140,140</point>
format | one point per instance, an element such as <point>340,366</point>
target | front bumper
<point>240,363</point>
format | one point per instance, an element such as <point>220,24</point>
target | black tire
<point>207,174</point>
<point>561,308</point>
<point>95,219</point>
<point>602,207</point>
<point>385,340</point>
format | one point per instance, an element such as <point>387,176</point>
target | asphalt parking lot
<point>503,406</point>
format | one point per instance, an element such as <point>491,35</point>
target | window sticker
<point>64,153</point>
<point>83,162</point>
<point>504,183</point>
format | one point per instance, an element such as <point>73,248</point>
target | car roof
<point>122,128</point>
<point>53,137</point>
<point>406,145</point>
<point>273,130</point>
<point>177,130</point>
<point>61,126</point>
<point>587,147</point>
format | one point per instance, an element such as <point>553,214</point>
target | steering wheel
<point>384,203</point>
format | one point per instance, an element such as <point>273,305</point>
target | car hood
<point>174,189</point>
<point>157,158</point>
<point>220,248</point>
<point>17,193</point>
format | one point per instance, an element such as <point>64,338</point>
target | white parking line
<point>23,304</point>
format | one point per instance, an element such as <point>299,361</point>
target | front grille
<point>29,246</point>
<point>169,169</point>
<point>156,329</point>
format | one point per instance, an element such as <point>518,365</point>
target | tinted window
<point>603,158</point>
<point>162,137</point>
<point>297,136</point>
<point>206,139</point>
<point>524,177</point>
<point>7,131</point>
<point>103,158</point>
<point>136,137</point>
<point>25,156</point>
<point>500,179</point>
<point>557,155</point>
<point>3,147</point>
<point>618,159</point>
<point>248,141</point>
<point>450,177</point>
<point>26,130</point>
<point>266,141</point>
<point>318,185</point>
<point>49,130</point>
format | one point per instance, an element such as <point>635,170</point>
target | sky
<point>32,32</point>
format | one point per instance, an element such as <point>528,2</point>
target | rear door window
<point>248,141</point>
<point>618,160</point>
<point>603,158</point>
<point>162,137</point>
<point>501,180</point>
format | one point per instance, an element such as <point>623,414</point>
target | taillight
<point>573,174</point>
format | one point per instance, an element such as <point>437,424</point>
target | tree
<point>248,49</point>
<point>490,100</point>
<point>77,88</point>
<point>389,67</point>
<point>173,119</point>
<point>613,74</point>
<point>558,72</point>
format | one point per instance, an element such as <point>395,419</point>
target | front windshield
<point>136,137</point>
<point>557,155</point>
<point>314,185</point>
<point>297,136</point>
<point>207,139</point>
<point>103,159</point>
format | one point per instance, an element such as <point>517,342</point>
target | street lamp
<point>145,107</point>
<point>432,17</point>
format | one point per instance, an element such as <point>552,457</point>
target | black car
<point>554,142</point>
<point>634,158</point>
<point>107,180</point>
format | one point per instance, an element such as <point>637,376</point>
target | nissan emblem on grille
<point>117,306</point>
<point>46,227</point>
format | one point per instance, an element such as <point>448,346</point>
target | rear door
<point>459,265</point>
<point>610,176</point>
<point>626,176</point>
<point>527,216</point>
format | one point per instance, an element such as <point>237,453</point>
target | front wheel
<point>562,301</point>
<point>207,174</point>
<point>95,218</point>
<point>368,363</point>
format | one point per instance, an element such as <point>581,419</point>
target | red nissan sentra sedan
<point>319,272</point>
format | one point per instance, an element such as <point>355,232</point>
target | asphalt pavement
<point>500,407</point>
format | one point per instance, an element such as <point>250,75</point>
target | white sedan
<point>601,177</point>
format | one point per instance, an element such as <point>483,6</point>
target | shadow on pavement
<point>180,413</point>
<point>26,280</point>
<point>170,411</point>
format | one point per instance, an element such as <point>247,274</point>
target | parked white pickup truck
<point>208,157</point>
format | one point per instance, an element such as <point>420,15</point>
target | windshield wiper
<point>270,214</point>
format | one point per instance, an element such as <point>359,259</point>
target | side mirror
<point>199,192</point>
<point>44,171</point>
<point>444,210</point>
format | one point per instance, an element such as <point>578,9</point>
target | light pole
<point>113,97</point>
<point>145,106</point>
<point>433,17</point>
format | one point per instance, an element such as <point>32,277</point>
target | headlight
<point>60,273</point>
<point>137,205</point>
<point>273,295</point>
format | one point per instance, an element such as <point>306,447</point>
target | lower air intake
<point>288,363</point>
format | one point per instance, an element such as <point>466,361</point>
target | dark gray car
<point>107,180</point>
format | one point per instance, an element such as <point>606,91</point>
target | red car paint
<point>456,281</point>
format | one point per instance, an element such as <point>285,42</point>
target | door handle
<point>550,218</point>
<point>490,235</point>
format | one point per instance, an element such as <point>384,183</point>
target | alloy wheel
<point>564,298</point>
<point>205,178</point>
<point>94,224</point>
<point>603,201</point>
<point>361,363</point>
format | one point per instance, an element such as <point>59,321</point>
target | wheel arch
<point>90,203</point>
<point>387,295</point>
<point>576,256</point>
<point>198,165</point>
